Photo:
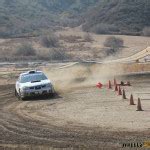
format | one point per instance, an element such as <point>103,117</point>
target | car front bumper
<point>31,93</point>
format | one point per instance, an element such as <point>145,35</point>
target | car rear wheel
<point>16,94</point>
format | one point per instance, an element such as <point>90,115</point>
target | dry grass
<point>70,38</point>
<point>132,44</point>
<point>135,67</point>
<point>73,41</point>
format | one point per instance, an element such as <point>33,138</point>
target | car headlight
<point>49,85</point>
<point>25,88</point>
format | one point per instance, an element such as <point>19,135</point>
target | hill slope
<point>121,16</point>
<point>20,17</point>
<point>113,16</point>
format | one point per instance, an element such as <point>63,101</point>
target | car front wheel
<point>19,96</point>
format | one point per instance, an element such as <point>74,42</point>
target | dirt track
<point>24,123</point>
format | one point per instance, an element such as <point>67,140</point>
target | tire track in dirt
<point>19,124</point>
<point>15,123</point>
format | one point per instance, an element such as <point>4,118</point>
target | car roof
<point>31,72</point>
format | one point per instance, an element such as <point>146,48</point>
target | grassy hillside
<point>74,6</point>
<point>19,17</point>
<point>118,16</point>
<point>31,17</point>
<point>26,16</point>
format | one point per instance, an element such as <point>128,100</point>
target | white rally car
<point>33,83</point>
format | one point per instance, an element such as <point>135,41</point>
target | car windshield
<point>32,78</point>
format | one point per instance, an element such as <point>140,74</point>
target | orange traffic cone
<point>99,85</point>
<point>139,107</point>
<point>115,82</point>
<point>131,100</point>
<point>109,85</point>
<point>116,88</point>
<point>124,94</point>
<point>119,91</point>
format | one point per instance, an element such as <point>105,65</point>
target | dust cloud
<point>81,75</point>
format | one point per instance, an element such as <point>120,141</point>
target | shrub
<point>50,40</point>
<point>110,51</point>
<point>58,54</point>
<point>104,29</point>
<point>146,31</point>
<point>88,37</point>
<point>26,49</point>
<point>113,44</point>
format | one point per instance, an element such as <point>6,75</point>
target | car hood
<point>30,84</point>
